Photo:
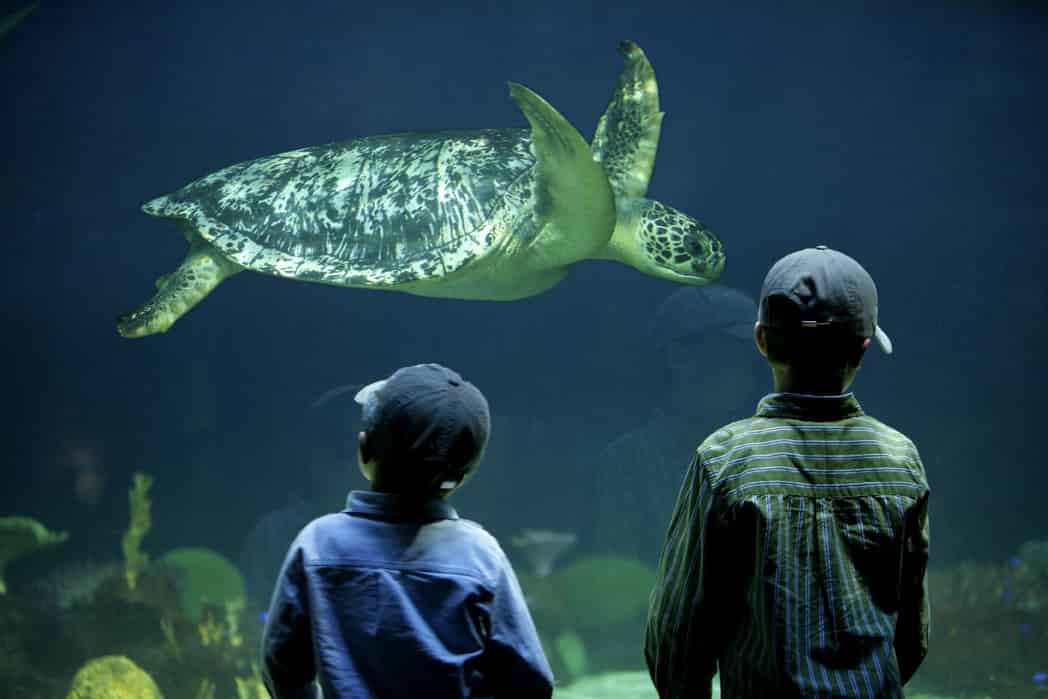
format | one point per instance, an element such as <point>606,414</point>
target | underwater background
<point>909,135</point>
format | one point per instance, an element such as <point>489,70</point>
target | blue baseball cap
<point>429,421</point>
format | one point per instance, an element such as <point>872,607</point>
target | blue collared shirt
<point>394,598</point>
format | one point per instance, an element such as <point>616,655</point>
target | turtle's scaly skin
<point>377,211</point>
<point>627,136</point>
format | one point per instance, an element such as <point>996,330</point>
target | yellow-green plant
<point>205,690</point>
<point>251,687</point>
<point>135,560</point>
<point>233,609</point>
<point>171,644</point>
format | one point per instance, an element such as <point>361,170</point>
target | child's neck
<point>788,382</point>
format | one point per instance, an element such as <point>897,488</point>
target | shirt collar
<point>394,507</point>
<point>802,406</point>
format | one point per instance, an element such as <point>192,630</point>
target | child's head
<point>424,431</point>
<point>817,314</point>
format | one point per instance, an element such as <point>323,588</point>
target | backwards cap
<point>824,288</point>
<point>429,421</point>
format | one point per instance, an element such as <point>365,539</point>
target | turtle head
<point>665,243</point>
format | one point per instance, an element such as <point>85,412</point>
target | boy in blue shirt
<point>396,596</point>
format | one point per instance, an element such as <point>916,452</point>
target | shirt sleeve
<point>687,621</point>
<point>515,663</point>
<point>288,667</point>
<point>912,628</point>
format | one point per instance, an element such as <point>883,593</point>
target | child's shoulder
<point>473,532</point>
<point>726,435</point>
<point>884,430</point>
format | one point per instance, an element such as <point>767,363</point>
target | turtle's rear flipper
<point>177,292</point>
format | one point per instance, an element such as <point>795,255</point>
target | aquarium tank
<point>225,219</point>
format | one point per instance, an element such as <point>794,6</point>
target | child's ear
<point>364,457</point>
<point>364,446</point>
<point>758,339</point>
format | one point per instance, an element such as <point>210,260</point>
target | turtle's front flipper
<point>571,190</point>
<point>628,134</point>
<point>203,269</point>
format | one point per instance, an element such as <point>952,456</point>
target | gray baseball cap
<point>427,418</point>
<point>825,288</point>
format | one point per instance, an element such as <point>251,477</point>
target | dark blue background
<point>909,135</point>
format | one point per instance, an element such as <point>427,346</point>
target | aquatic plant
<point>233,609</point>
<point>571,652</point>
<point>205,690</point>
<point>204,576</point>
<point>20,536</point>
<point>211,632</point>
<point>135,561</point>
<point>251,687</point>
<point>171,645</point>
<point>113,677</point>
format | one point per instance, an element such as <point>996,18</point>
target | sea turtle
<point>496,214</point>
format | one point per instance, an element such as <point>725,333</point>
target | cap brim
<point>364,394</point>
<point>883,340</point>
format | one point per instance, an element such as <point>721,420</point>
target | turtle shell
<point>375,211</point>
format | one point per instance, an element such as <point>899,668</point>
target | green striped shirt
<point>795,559</point>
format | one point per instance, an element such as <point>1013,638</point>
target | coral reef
<point>135,561</point>
<point>113,677</point>
<point>601,602</point>
<point>989,627</point>
<point>76,583</point>
<point>20,536</point>
<point>204,576</point>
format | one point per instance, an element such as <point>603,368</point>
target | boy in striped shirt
<point>796,556</point>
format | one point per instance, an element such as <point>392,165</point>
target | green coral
<point>601,591</point>
<point>204,577</point>
<point>20,536</point>
<point>113,677</point>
